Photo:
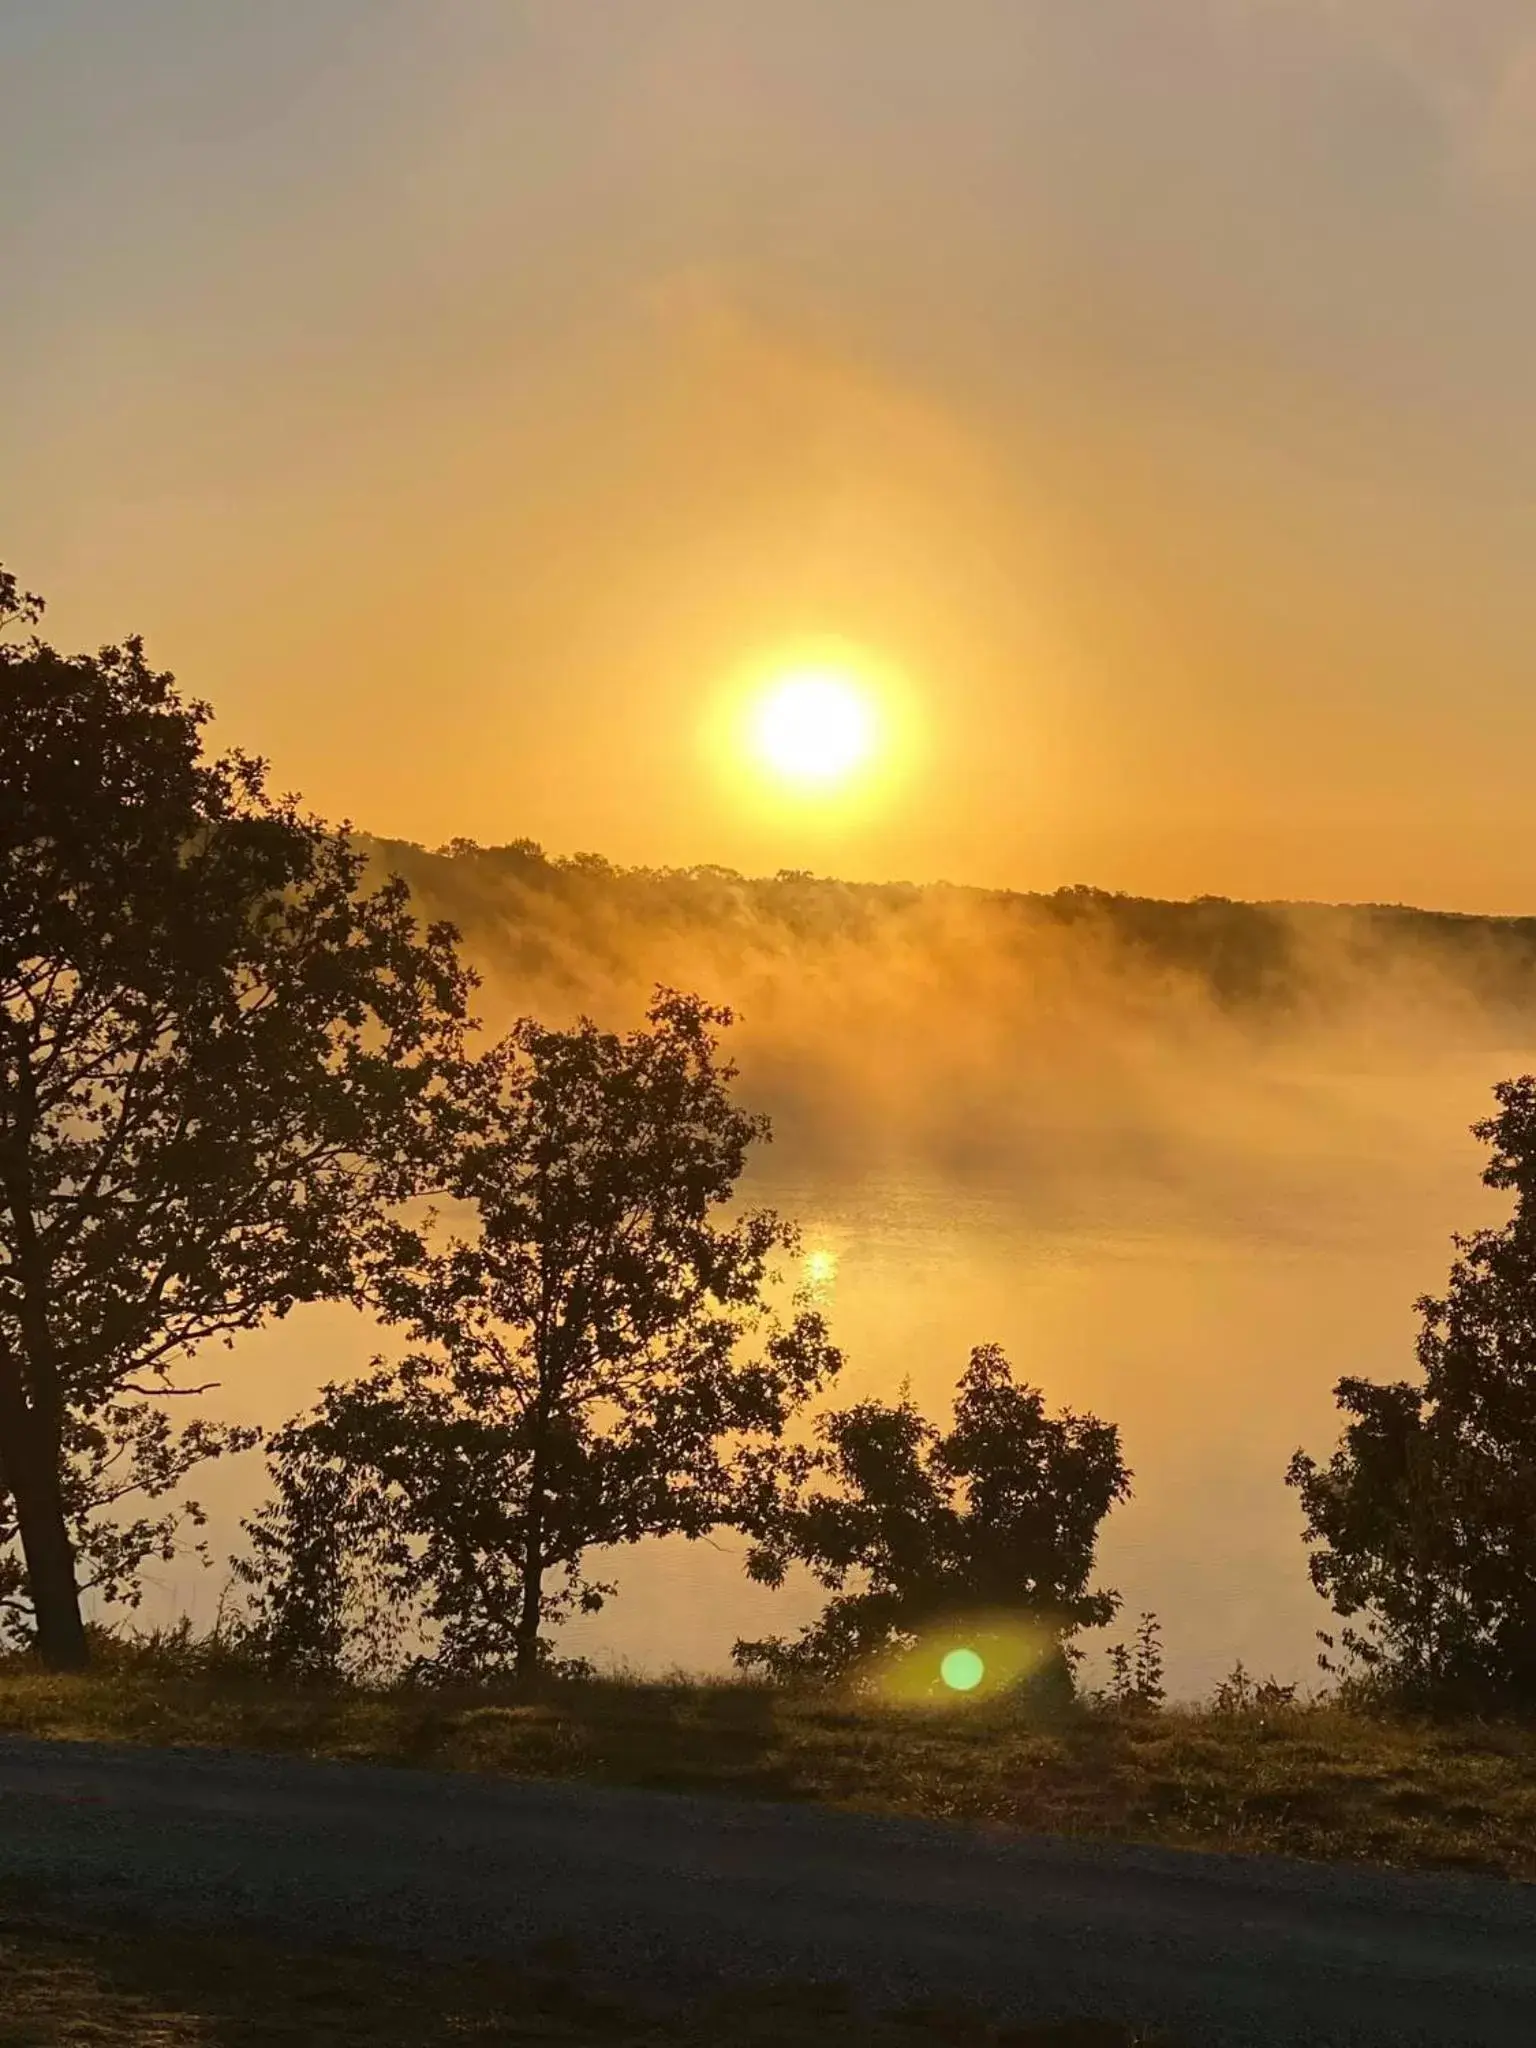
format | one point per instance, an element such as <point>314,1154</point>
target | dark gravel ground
<point>677,1893</point>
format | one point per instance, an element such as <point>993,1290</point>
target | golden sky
<point>464,394</point>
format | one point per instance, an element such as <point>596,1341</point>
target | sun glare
<point>815,727</point>
<point>820,1267</point>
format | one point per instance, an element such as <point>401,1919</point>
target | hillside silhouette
<point>579,919</point>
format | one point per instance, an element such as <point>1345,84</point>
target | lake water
<point>1204,1292</point>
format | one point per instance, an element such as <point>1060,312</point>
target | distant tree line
<point>239,1074</point>
<point>1246,958</point>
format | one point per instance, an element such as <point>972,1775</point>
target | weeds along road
<point>673,1892</point>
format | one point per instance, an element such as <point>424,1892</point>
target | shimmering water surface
<point>1204,1294</point>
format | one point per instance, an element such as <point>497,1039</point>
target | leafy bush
<point>997,1517</point>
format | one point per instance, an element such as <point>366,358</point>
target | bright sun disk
<point>814,726</point>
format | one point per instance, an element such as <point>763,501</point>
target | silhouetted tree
<point>999,1514</point>
<point>1423,1522</point>
<point>218,1061</point>
<point>599,1364</point>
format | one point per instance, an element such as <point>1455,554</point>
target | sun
<point>819,737</point>
<point>814,727</point>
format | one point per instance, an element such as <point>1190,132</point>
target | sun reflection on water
<point>820,1267</point>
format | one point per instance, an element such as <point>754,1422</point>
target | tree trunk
<point>532,1611</point>
<point>29,1469</point>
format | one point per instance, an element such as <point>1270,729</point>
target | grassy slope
<point>1306,1781</point>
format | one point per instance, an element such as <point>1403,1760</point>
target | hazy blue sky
<point>459,393</point>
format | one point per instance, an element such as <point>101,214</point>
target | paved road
<point>677,1891</point>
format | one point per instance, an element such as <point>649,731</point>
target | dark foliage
<point>1241,1693</point>
<point>598,1365</point>
<point>220,1060</point>
<point>1423,1522</point>
<point>999,1515</point>
<point>1136,1670</point>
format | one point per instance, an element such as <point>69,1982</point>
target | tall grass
<point>1250,1771</point>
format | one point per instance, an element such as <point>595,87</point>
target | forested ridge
<point>526,905</point>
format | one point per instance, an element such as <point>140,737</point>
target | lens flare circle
<point>961,1659</point>
<point>962,1670</point>
<point>814,726</point>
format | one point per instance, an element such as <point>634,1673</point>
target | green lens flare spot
<point>962,1671</point>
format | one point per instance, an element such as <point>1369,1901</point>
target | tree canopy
<point>597,1361</point>
<point>221,1060</point>
<point>1423,1522</point>
<point>910,1526</point>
